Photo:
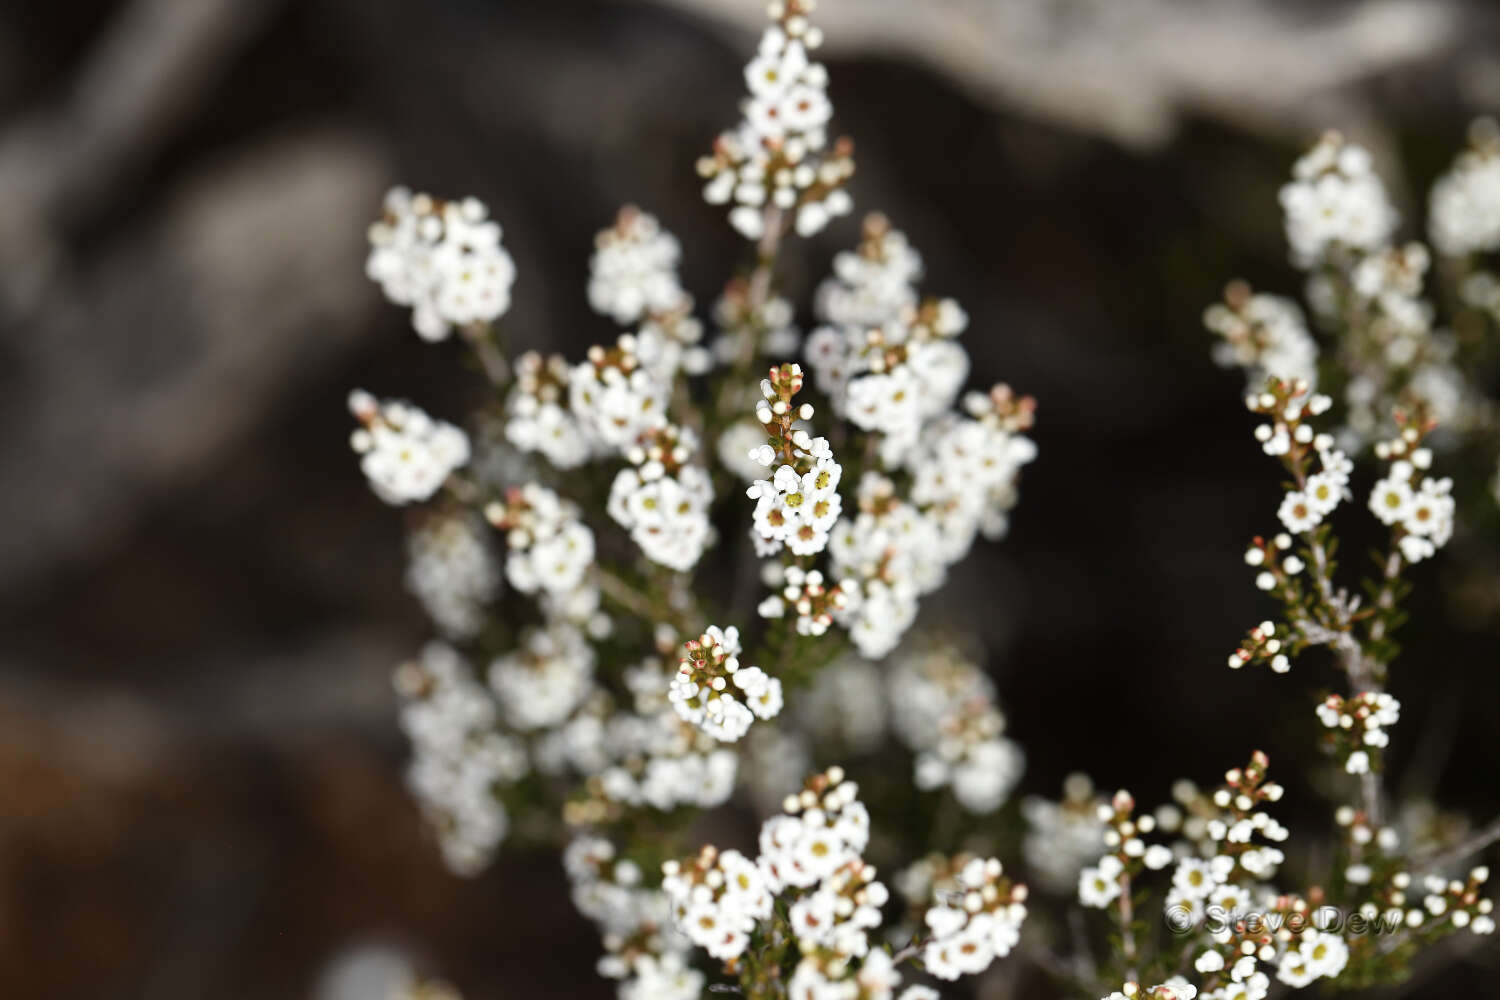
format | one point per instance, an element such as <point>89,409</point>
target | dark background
<point>200,785</point>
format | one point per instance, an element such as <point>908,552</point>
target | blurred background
<point>200,771</point>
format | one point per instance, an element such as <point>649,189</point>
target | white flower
<point>1326,954</point>
<point>1195,877</point>
<point>1097,889</point>
<point>1390,500</point>
<point>1298,513</point>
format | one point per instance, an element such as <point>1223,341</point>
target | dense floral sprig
<point>1366,292</point>
<point>575,699</point>
<point>1357,727</point>
<point>798,506</point>
<point>459,755</point>
<point>778,162</point>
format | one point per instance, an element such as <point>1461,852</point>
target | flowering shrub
<point>684,565</point>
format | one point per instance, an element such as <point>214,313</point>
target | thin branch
<point>1127,933</point>
<point>912,949</point>
<point>630,598</point>
<point>1444,857</point>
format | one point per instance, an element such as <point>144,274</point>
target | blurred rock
<point>180,338</point>
<point>1130,70</point>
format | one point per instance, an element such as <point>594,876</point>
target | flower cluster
<point>710,684</point>
<point>1300,575</point>
<point>550,546</point>
<point>614,396</point>
<point>1418,508</point>
<point>1246,924</point>
<point>540,683</point>
<point>643,951</point>
<point>891,553</point>
<point>1455,902</point>
<point>717,898</point>
<point>1107,881</point>
<point>812,898</point>
<point>897,549</point>
<point>778,160</point>
<point>891,364</point>
<point>798,506</point>
<point>1290,435</point>
<point>822,829</point>
<point>887,360</point>
<point>442,258</point>
<point>452,570</point>
<point>459,756</point>
<point>1358,726</point>
<point>1464,210</point>
<point>1335,200</point>
<point>406,454</point>
<point>584,690</point>
<point>662,500</point>
<point>1408,909</point>
<point>633,272</point>
<point>538,417</point>
<point>648,757</point>
<point>633,279</point>
<point>808,596</point>
<point>1369,292</point>
<point>1266,335</point>
<point>976,924</point>
<point>1062,837</point>
<point>943,708</point>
